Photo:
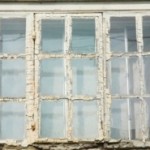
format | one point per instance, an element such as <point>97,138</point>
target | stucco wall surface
<point>41,1</point>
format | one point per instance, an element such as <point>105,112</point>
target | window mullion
<point>68,75</point>
<point>30,79</point>
<point>139,35</point>
<point>107,96</point>
<point>99,50</point>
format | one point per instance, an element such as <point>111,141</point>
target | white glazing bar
<point>127,72</point>
<point>100,72</point>
<point>106,75</point>
<point>139,34</point>
<point>30,132</point>
<point>68,75</point>
<point>37,72</point>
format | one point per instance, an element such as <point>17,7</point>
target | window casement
<point>127,61</point>
<point>74,77</point>
<point>69,75</point>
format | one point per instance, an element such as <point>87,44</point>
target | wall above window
<point>59,1</point>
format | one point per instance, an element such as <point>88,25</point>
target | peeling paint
<point>33,57</point>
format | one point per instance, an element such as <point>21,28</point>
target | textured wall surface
<point>73,0</point>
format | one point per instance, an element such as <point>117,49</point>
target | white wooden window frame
<point>140,53</point>
<point>68,55</point>
<point>28,56</point>
<point>103,54</point>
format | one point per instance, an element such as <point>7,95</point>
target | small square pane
<point>146,33</point>
<point>52,119</point>
<point>85,119</point>
<point>146,60</point>
<point>12,35</point>
<point>84,77</point>
<point>53,36</point>
<point>12,120</point>
<point>125,119</point>
<point>125,76</point>
<point>52,77</point>
<point>12,78</point>
<point>123,34</point>
<point>83,36</point>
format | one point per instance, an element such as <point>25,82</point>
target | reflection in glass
<point>52,119</point>
<point>125,75</point>
<point>52,77</point>
<point>12,120</point>
<point>118,76</point>
<point>84,77</point>
<point>125,119</point>
<point>12,78</point>
<point>12,35</point>
<point>133,75</point>
<point>53,36</point>
<point>146,33</point>
<point>83,36</point>
<point>123,34</point>
<point>85,119</point>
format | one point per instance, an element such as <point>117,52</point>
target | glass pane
<point>147,74</point>
<point>134,75</point>
<point>147,100</point>
<point>52,77</point>
<point>118,76</point>
<point>83,36</point>
<point>119,119</point>
<point>12,35</point>
<point>84,77</point>
<point>135,119</point>
<point>125,80</point>
<point>12,120</point>
<point>53,36</point>
<point>12,78</point>
<point>53,124</point>
<point>125,119</point>
<point>123,34</point>
<point>85,119</point>
<point>146,33</point>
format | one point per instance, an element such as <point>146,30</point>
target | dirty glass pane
<point>133,75</point>
<point>118,76</point>
<point>85,119</point>
<point>147,101</point>
<point>53,36</point>
<point>125,76</point>
<point>12,35</point>
<point>12,78</point>
<point>119,119</point>
<point>146,60</point>
<point>125,119</point>
<point>53,123</point>
<point>146,33</point>
<point>12,120</point>
<point>83,36</point>
<point>84,76</point>
<point>52,77</point>
<point>123,34</point>
<point>135,119</point>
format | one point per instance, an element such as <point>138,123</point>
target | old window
<point>74,77</point>
<point>13,78</point>
<point>127,72</point>
<point>68,76</point>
